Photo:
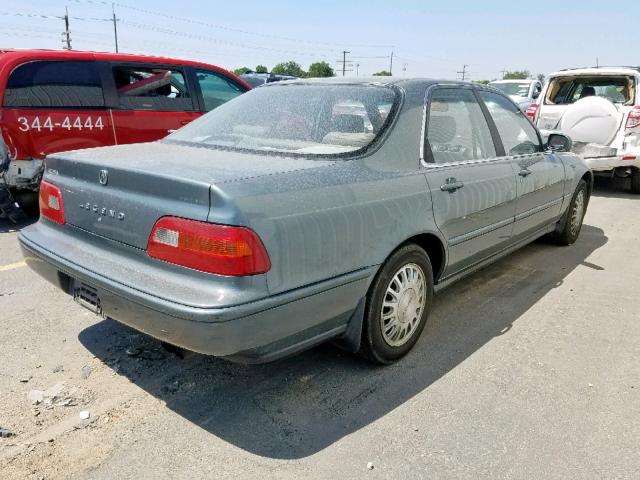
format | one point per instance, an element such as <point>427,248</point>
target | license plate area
<point>87,296</point>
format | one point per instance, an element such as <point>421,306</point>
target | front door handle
<point>451,185</point>
<point>525,172</point>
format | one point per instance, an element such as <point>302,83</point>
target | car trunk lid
<point>120,192</point>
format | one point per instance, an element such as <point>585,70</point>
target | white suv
<point>599,108</point>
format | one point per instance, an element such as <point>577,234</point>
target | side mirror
<point>559,143</point>
<point>536,94</point>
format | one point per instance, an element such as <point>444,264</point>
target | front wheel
<point>397,305</point>
<point>575,215</point>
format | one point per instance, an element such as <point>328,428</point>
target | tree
<point>517,75</point>
<point>320,69</point>
<point>541,77</point>
<point>242,70</point>
<point>262,69</point>
<point>289,68</point>
<point>382,73</point>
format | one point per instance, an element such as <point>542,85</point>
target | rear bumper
<point>609,163</point>
<point>253,332</point>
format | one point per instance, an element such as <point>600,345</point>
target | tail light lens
<point>532,111</point>
<point>208,247</point>
<point>51,204</point>
<point>633,120</point>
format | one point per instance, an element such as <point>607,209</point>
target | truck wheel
<point>575,214</point>
<point>397,305</point>
<point>635,181</point>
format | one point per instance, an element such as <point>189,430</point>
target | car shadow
<point>613,188</point>
<point>297,407</point>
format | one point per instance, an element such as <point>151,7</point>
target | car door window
<point>518,136</point>
<point>149,88</point>
<point>55,84</point>
<point>216,89</point>
<point>457,130</point>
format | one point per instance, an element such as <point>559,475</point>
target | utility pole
<point>66,35</point>
<point>357,69</point>
<point>344,62</point>
<point>464,72</point>
<point>504,73</point>
<point>391,64</point>
<point>597,62</point>
<point>115,25</point>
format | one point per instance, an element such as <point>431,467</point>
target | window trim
<point>115,97</point>
<point>99,69</point>
<point>426,153</point>
<point>494,126</point>
<point>193,72</point>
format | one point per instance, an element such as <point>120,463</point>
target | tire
<point>572,222</point>
<point>635,181</point>
<point>409,315</point>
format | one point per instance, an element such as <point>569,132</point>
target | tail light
<point>208,247</point>
<point>51,205</point>
<point>532,111</point>
<point>633,120</point>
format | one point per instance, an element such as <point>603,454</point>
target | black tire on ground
<point>28,201</point>
<point>635,181</point>
<point>572,221</point>
<point>375,344</point>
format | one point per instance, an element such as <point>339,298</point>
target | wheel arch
<point>434,246</point>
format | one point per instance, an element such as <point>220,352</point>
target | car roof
<point>597,71</point>
<point>11,57</point>
<point>376,81</point>
<point>523,80</point>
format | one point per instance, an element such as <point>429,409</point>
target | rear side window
<point>518,136</point>
<point>148,88</point>
<point>457,130</point>
<point>568,90</point>
<point>54,84</point>
<point>216,89</point>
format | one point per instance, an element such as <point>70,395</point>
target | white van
<point>599,108</point>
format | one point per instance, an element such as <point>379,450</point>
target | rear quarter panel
<point>341,217</point>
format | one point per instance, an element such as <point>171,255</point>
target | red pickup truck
<point>52,101</point>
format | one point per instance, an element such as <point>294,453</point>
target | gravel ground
<point>527,369</point>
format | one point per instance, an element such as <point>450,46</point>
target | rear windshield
<point>54,84</point>
<point>567,90</point>
<point>520,89</point>
<point>296,119</point>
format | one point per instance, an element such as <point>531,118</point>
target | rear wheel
<point>397,306</point>
<point>635,181</point>
<point>575,214</point>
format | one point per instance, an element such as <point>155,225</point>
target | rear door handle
<point>451,185</point>
<point>525,172</point>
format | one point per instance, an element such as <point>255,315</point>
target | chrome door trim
<point>539,208</point>
<point>481,231</point>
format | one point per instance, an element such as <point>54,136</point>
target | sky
<point>428,39</point>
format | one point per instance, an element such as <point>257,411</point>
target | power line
<point>66,35</point>
<point>463,72</point>
<point>344,62</point>
<point>222,27</point>
<point>115,26</point>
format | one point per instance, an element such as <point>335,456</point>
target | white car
<point>599,108</point>
<point>523,92</point>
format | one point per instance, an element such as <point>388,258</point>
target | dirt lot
<point>528,369</point>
